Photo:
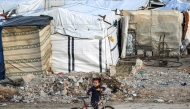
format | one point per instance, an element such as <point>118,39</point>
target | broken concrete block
<point>28,78</point>
<point>159,101</point>
<point>112,70</point>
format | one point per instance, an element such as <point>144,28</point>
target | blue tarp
<point>2,65</point>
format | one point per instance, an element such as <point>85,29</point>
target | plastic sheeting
<point>176,5</point>
<point>72,54</point>
<point>21,5</point>
<point>87,29</point>
<point>2,65</point>
<point>110,4</point>
<point>81,55</point>
<point>40,21</point>
<point>150,25</point>
<point>78,24</point>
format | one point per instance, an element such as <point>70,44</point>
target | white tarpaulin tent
<point>29,6</point>
<point>110,4</point>
<point>80,41</point>
<point>20,5</point>
<point>179,5</point>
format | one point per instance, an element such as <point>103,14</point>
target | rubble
<point>157,84</point>
<point>7,93</point>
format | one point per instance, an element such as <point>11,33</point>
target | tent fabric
<point>175,5</point>
<point>21,6</point>
<point>87,28</point>
<point>110,4</point>
<point>150,25</point>
<point>74,24</point>
<point>2,65</point>
<point>40,21</point>
<point>27,50</point>
<point>80,55</point>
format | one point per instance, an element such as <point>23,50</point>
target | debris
<point>137,67</point>
<point>28,78</point>
<point>129,99</point>
<point>112,70</point>
<point>4,104</point>
<point>184,84</point>
<point>7,93</point>
<point>159,101</point>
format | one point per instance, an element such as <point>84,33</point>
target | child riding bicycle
<point>95,91</point>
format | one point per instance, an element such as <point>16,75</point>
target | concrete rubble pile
<point>157,84</point>
<point>60,88</point>
<point>7,93</point>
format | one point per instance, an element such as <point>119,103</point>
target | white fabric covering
<point>175,5</point>
<point>87,30</point>
<point>110,4</point>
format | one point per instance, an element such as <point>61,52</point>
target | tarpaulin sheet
<point>80,55</point>
<point>175,5</point>
<point>21,6</point>
<point>87,30</point>
<point>2,65</point>
<point>110,4</point>
<point>150,25</point>
<point>40,21</point>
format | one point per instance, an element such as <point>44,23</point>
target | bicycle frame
<point>85,104</point>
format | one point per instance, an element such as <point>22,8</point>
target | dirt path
<point>115,105</point>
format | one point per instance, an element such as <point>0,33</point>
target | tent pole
<point>45,5</point>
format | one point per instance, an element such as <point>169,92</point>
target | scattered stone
<point>129,99</point>
<point>159,101</point>
<point>4,104</point>
<point>7,93</point>
<point>28,78</point>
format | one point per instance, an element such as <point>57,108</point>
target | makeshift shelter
<point>149,25</point>
<point>118,4</point>
<point>26,45</point>
<point>81,41</point>
<point>180,5</point>
<point>20,5</point>
<point>2,65</point>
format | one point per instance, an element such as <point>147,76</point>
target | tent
<point>2,65</point>
<point>20,5</point>
<point>149,25</point>
<point>81,40</point>
<point>28,6</point>
<point>26,45</point>
<point>180,5</point>
<point>118,4</point>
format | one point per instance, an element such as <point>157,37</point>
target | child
<point>95,91</point>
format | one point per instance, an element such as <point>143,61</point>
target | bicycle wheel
<point>107,107</point>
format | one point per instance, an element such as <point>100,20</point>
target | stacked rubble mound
<point>7,93</point>
<point>155,84</point>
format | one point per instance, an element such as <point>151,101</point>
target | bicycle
<point>86,106</point>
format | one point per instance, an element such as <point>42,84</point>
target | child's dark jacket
<point>95,93</point>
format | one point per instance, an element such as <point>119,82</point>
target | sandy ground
<point>115,105</point>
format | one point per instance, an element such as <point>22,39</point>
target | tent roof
<point>110,4</point>
<point>40,21</point>
<point>175,5</point>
